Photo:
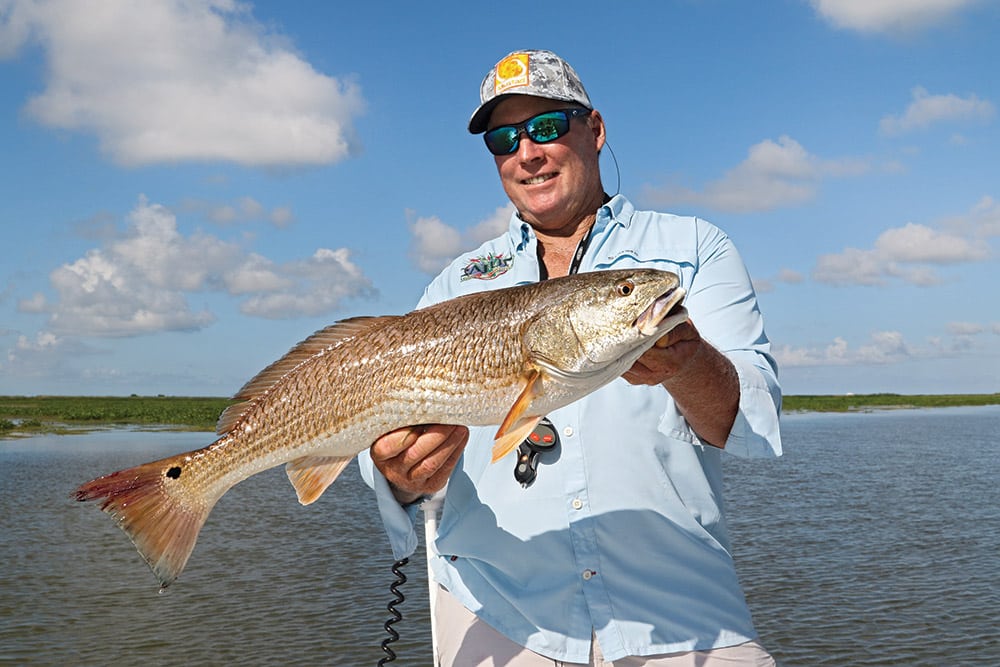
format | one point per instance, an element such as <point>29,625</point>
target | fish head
<point>605,321</point>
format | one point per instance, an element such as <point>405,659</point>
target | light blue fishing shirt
<point>622,533</point>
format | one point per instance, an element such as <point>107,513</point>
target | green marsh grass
<point>25,415</point>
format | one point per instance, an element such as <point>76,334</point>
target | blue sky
<point>189,188</point>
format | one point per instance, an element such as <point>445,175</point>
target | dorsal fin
<point>324,339</point>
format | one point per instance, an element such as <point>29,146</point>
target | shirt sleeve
<point>755,433</point>
<point>399,520</point>
<point>723,305</point>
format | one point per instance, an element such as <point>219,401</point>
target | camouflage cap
<point>529,72</point>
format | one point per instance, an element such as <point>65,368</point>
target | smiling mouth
<point>537,180</point>
<point>663,314</point>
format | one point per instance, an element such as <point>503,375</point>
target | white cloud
<point>774,174</point>
<point>852,266</point>
<point>888,15</point>
<point>256,274</point>
<point>926,110</point>
<point>138,282</point>
<point>435,243</point>
<point>919,243</point>
<point>319,285</point>
<point>884,347</point>
<point>908,253</point>
<point>42,356</point>
<point>180,80</point>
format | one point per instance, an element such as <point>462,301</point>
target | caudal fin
<point>160,524</point>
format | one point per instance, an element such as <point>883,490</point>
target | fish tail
<point>160,516</point>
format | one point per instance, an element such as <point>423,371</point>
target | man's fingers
<point>437,455</point>
<point>396,442</point>
<point>437,481</point>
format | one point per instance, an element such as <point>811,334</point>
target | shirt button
<point>577,503</point>
<point>588,574</point>
<point>568,431</point>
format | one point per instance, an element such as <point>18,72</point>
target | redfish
<point>505,357</point>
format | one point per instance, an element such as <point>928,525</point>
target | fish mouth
<point>663,314</point>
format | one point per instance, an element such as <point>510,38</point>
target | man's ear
<point>596,124</point>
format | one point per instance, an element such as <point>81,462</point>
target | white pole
<point>431,507</point>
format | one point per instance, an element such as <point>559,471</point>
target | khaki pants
<point>466,641</point>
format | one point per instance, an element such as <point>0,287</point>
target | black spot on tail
<point>174,473</point>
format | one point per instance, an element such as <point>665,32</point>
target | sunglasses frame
<point>523,128</point>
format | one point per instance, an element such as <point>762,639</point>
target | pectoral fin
<point>310,475</point>
<point>517,425</point>
<point>509,441</point>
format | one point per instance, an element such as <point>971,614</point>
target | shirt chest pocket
<point>680,261</point>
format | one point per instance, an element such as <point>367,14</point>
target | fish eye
<point>625,287</point>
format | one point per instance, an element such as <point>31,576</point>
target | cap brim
<point>481,118</point>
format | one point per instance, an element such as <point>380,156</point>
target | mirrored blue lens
<point>543,128</point>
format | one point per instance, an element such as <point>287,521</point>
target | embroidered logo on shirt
<point>487,267</point>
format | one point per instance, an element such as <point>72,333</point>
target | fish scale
<point>504,357</point>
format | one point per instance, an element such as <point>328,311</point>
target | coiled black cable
<point>390,655</point>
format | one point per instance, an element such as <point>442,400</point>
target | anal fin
<point>310,475</point>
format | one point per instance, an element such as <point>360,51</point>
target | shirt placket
<point>583,534</point>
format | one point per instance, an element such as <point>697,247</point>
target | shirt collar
<point>618,210</point>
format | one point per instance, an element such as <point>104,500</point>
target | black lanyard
<point>574,266</point>
<point>544,437</point>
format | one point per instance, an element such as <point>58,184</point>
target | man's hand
<point>701,379</point>
<point>417,460</point>
<point>668,358</point>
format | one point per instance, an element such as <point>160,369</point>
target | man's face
<point>556,184</point>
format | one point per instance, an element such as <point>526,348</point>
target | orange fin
<point>324,339</point>
<point>506,443</point>
<point>160,524</point>
<point>512,430</point>
<point>521,403</point>
<point>310,475</point>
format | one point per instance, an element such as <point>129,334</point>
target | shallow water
<point>874,541</point>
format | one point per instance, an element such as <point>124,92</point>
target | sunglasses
<point>541,129</point>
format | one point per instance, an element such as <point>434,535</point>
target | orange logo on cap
<point>512,72</point>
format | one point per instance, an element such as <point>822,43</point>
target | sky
<point>190,187</point>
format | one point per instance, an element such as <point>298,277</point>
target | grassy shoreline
<point>28,415</point>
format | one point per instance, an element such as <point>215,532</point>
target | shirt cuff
<point>398,519</point>
<point>755,432</point>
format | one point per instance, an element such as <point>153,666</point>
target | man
<point>614,549</point>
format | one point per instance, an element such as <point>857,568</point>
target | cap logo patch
<point>512,72</point>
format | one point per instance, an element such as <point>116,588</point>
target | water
<point>270,582</point>
<point>874,541</point>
